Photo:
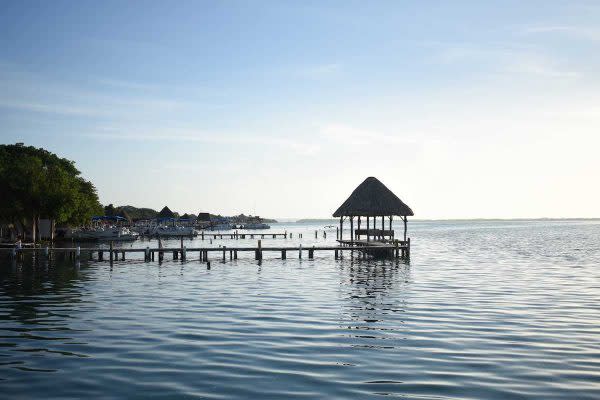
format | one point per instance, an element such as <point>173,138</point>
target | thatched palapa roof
<point>165,213</point>
<point>372,198</point>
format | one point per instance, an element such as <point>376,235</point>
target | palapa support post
<point>358,236</point>
<point>78,252</point>
<point>408,248</point>
<point>405,218</point>
<point>368,228</point>
<point>352,229</point>
<point>184,253</point>
<point>100,256</point>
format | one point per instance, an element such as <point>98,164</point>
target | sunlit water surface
<point>484,310</point>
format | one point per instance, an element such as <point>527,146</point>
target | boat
<point>221,227</point>
<point>162,230</point>
<point>103,233</point>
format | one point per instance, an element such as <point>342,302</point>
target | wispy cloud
<point>305,147</point>
<point>574,31</point>
<point>53,108</point>
<point>506,59</point>
<point>318,71</point>
<point>350,135</point>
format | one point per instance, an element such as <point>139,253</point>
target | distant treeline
<point>132,213</point>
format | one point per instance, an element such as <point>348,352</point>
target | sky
<point>281,108</point>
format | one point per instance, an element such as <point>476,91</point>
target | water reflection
<point>493,321</point>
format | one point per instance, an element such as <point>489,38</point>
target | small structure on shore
<point>372,199</point>
<point>165,213</point>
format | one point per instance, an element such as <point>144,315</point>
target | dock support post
<point>111,252</point>
<point>300,252</point>
<point>285,235</point>
<point>78,252</point>
<point>283,255</point>
<point>100,256</point>
<point>224,251</point>
<point>316,234</point>
<point>202,235</point>
<point>175,255</point>
<point>408,248</point>
<point>260,255</point>
<point>147,254</point>
<point>184,253</point>
<point>235,254</point>
<point>337,233</point>
<point>122,255</point>
<point>336,254</point>
<point>311,253</point>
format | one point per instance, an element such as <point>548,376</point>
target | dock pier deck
<point>374,250</point>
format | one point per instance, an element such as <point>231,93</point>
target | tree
<point>39,184</point>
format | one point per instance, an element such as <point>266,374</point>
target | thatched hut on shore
<point>165,213</point>
<point>372,199</point>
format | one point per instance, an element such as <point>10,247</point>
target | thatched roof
<point>204,217</point>
<point>165,213</point>
<point>373,198</point>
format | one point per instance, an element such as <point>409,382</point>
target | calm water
<point>485,310</point>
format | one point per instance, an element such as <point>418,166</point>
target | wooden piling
<point>283,254</point>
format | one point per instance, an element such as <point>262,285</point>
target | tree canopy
<point>39,184</point>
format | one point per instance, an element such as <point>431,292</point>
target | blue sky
<point>464,109</point>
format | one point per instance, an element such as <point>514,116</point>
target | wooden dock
<point>379,250</point>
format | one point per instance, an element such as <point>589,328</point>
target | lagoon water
<point>484,310</point>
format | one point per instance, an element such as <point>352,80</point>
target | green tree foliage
<point>35,183</point>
